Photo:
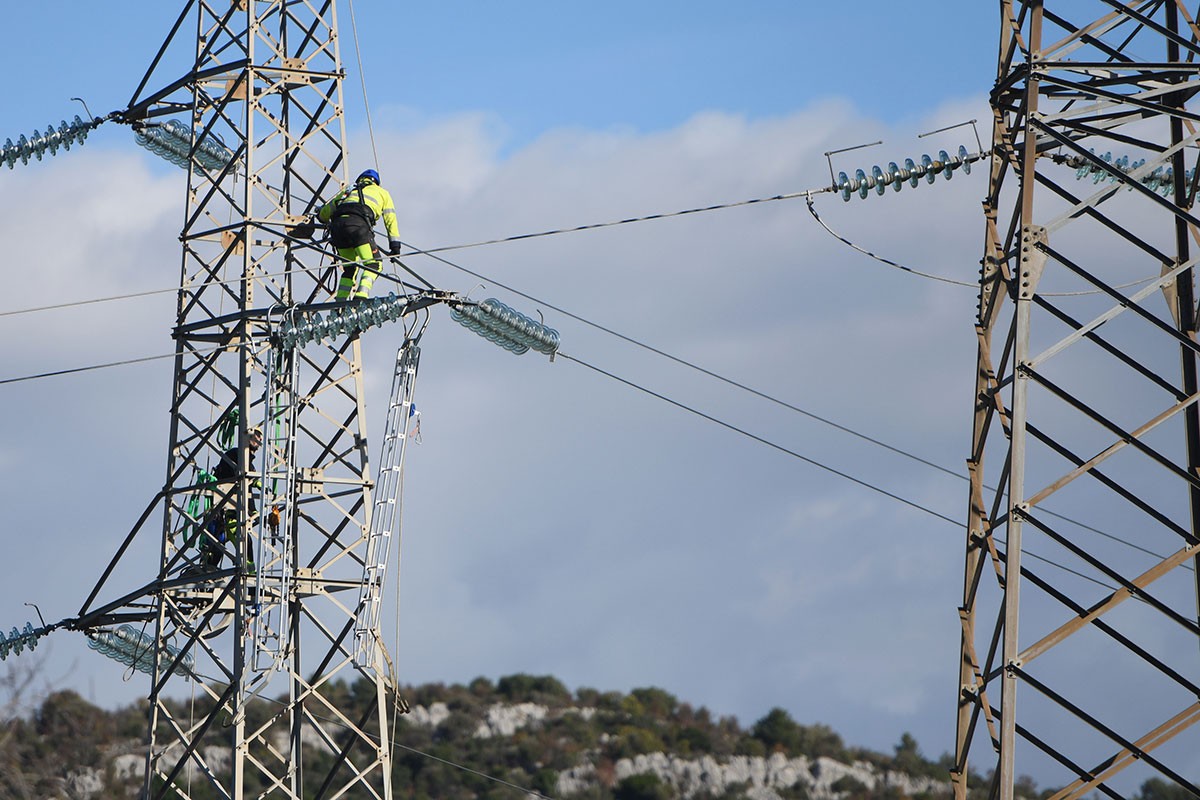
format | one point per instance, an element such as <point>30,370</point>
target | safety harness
<point>352,224</point>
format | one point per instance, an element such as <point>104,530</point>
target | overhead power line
<point>107,364</point>
<point>808,194</point>
<point>628,221</point>
<point>446,248</point>
<point>771,399</point>
<point>881,259</point>
<point>76,303</point>
<point>433,254</point>
<point>761,440</point>
<point>826,467</point>
<point>89,368</point>
<point>637,343</point>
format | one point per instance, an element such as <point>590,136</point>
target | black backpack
<point>352,223</point>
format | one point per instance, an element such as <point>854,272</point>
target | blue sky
<point>652,65</point>
<point>545,65</point>
<point>558,522</point>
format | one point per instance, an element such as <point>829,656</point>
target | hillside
<point>520,736</point>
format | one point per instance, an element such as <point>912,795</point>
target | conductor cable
<point>767,442</point>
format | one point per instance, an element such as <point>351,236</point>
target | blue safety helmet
<point>368,175</point>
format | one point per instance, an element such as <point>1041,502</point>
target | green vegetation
<point>585,734</point>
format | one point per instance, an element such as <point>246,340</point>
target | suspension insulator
<point>895,176</point>
<point>1160,180</point>
<point>173,141</point>
<point>19,639</point>
<point>306,327</point>
<point>507,328</point>
<point>67,134</point>
<point>910,167</point>
<point>135,649</point>
<point>927,169</point>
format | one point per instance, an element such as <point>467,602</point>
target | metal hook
<point>39,613</point>
<point>970,122</point>
<point>833,180</point>
<point>86,110</point>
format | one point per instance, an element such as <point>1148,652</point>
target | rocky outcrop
<point>759,778</point>
<point>502,720</point>
<point>755,776</point>
<point>431,717</point>
<point>499,719</point>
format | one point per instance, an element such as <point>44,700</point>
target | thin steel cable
<point>338,723</point>
<point>150,292</point>
<point>738,385</point>
<point>604,329</point>
<point>430,252</point>
<point>820,465</point>
<point>761,440</point>
<point>710,418</point>
<point>76,303</point>
<point>683,362</point>
<point>88,368</point>
<point>446,248</point>
<point>595,225</point>
<point>125,362</point>
<point>952,281</point>
<point>362,76</point>
<point>881,259</point>
<point>470,770</point>
<point>688,364</point>
<point>1056,565</point>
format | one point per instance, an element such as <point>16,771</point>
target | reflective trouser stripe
<point>365,281</point>
<point>354,275</point>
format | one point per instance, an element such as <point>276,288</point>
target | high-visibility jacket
<point>375,198</point>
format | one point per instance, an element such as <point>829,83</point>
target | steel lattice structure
<point>276,626</point>
<point>1080,645</point>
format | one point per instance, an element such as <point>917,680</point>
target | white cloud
<point>610,538</point>
<point>558,521</point>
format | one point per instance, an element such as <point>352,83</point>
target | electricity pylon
<point>1080,657</point>
<point>262,574</point>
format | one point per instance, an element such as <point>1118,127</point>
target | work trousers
<point>356,281</point>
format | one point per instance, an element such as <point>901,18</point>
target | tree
<point>778,731</point>
<point>1158,789</point>
<point>908,756</point>
<point>43,736</point>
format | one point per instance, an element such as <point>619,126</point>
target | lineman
<point>222,523</point>
<point>351,219</point>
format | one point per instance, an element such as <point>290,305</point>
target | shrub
<point>645,786</point>
<point>522,688</point>
<point>656,702</point>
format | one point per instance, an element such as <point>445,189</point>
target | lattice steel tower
<point>278,610</point>
<point>1080,655</point>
